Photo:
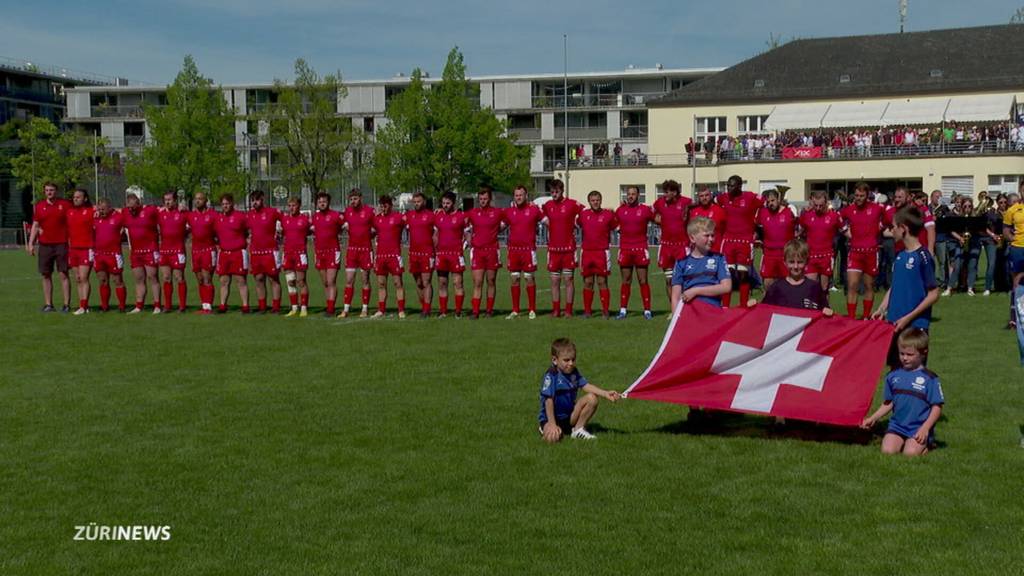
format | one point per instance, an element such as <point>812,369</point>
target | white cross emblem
<point>763,370</point>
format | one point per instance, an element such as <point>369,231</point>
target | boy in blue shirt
<point>560,413</point>
<point>914,396</point>
<point>913,291</point>
<point>703,274</point>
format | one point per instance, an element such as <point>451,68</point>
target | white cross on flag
<point>768,360</point>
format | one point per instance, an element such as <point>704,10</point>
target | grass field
<point>315,446</point>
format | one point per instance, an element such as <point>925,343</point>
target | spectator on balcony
<point>690,150</point>
<point>617,153</point>
<point>709,149</point>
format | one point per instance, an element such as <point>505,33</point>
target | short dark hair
<point>556,183</point>
<point>355,192</point>
<point>735,178</point>
<point>228,196</point>
<point>521,187</point>
<point>910,216</point>
<point>322,194</point>
<point>256,194</point>
<point>86,194</point>
<point>562,345</point>
<point>385,200</point>
<point>486,190</point>
<point>172,192</point>
<point>593,193</point>
<point>771,192</point>
<point>418,194</point>
<point>670,185</point>
<point>862,186</point>
<point>449,196</point>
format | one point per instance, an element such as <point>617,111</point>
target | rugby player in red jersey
<point>486,221</point>
<point>522,219</point>
<point>420,221</point>
<point>778,226</point>
<point>50,228</point>
<point>561,213</point>
<point>634,256</point>
<point>232,230</point>
<point>596,257</point>
<point>140,222</point>
<point>740,208</point>
<point>450,247</point>
<point>80,241</point>
<point>706,208</point>
<point>900,199</point>
<point>359,250</point>
<point>819,225</point>
<point>264,257</point>
<point>327,225</point>
<point>863,222</point>
<point>172,224</point>
<point>388,226</point>
<point>295,227</point>
<point>201,221</point>
<point>671,215</point>
<point>108,228</point>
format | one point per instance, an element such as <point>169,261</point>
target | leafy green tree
<point>49,154</point>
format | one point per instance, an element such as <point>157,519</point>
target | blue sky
<point>242,41</point>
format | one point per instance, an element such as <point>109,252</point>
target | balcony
<point>633,131</point>
<point>31,95</point>
<point>109,111</point>
<point>582,133</point>
<point>525,133</point>
<point>621,100</point>
<point>134,141</point>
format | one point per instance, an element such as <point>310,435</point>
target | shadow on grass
<point>746,426</point>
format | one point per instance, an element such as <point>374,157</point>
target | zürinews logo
<point>92,532</point>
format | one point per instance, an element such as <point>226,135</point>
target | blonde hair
<point>914,338</point>
<point>700,224</point>
<point>796,248</point>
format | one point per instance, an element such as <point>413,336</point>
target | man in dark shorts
<point>50,229</point>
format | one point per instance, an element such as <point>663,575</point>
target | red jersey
<point>561,216</point>
<point>597,228</point>
<point>739,214</point>
<point>522,225</point>
<point>713,211</point>
<point>359,224</point>
<point>172,225</point>
<point>777,228</point>
<point>108,232</point>
<point>820,230</point>
<point>673,220</point>
<point>389,232</point>
<point>421,231</point>
<point>80,221</point>
<point>142,228</point>
<point>451,230</point>
<point>326,230</point>
<point>231,230</point>
<point>486,224</point>
<point>865,224</point>
<point>926,216</point>
<point>52,219</point>
<point>296,231</point>
<point>263,228</point>
<point>201,224</point>
<point>633,221</point>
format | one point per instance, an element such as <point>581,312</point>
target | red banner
<point>801,152</point>
<point>768,360</point>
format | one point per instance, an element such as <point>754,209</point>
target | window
<point>640,187</point>
<point>711,126</point>
<point>575,120</point>
<point>677,83</point>
<point>368,124</point>
<point>521,121</point>
<point>751,124</point>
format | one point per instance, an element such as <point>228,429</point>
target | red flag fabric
<point>768,360</point>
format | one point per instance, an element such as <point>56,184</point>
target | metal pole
<point>565,105</point>
<point>96,168</point>
<point>693,157</point>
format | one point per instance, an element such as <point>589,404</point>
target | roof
<point>980,59</point>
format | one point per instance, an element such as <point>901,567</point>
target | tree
<point>1018,16</point>
<point>192,140</point>
<point>441,140</point>
<point>48,154</point>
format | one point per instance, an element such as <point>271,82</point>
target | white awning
<point>795,116</point>
<point>915,111</point>
<point>983,108</point>
<point>854,114</point>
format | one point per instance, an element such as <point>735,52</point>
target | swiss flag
<point>768,360</point>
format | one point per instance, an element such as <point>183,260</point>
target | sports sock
<point>588,301</point>
<point>140,304</point>
<point>182,295</point>
<point>366,296</point>
<point>83,303</point>
<point>851,310</point>
<point>330,306</point>
<point>868,305</point>
<point>442,302</point>
<point>531,297</point>
<point>348,295</point>
<point>275,305</point>
<point>401,305</point>
<point>122,296</point>
<point>105,296</point>
<point>645,296</point>
<point>293,299</point>
<point>382,306</point>
<point>606,299</point>
<point>744,295</point>
<point>490,304</point>
<point>624,294</point>
<point>245,308</point>
<point>168,290</point>
<point>568,307</point>
<point>515,298</point>
<point>262,304</point>
<point>476,306</point>
<point>459,301</point>
<point>556,308</point>
<point>727,300</point>
<point>304,300</point>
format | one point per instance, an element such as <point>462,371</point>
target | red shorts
<point>773,264</point>
<point>328,259</point>
<point>484,258</point>
<point>561,261</point>
<point>634,257</point>
<point>358,259</point>
<point>296,261</point>
<point>265,263</point>
<point>80,257</point>
<point>204,259</point>
<point>385,264</point>
<point>596,263</point>
<point>738,252</point>
<point>668,254</point>
<point>820,264</point>
<point>140,258</point>
<point>421,262</point>
<point>109,262</point>
<point>863,260</point>
<point>450,262</point>
<point>174,259</point>
<point>232,262</point>
<point>522,260</point>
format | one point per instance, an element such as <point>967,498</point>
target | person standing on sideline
<point>80,218</point>
<point>50,229</point>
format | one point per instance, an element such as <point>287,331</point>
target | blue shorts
<point>1015,258</point>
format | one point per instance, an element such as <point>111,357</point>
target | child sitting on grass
<point>796,291</point>
<point>560,413</point>
<point>914,396</point>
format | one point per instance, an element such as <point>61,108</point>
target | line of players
<point>264,242</point>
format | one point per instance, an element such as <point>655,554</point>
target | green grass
<point>314,446</point>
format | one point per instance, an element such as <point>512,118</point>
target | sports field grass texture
<point>277,445</point>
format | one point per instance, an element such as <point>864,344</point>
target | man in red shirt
<point>265,259</point>
<point>738,238</point>
<point>80,240</point>
<point>295,227</point>
<point>778,226</point>
<point>141,224</point>
<point>819,225</point>
<point>522,219</point>
<point>359,251</point>
<point>172,223</point>
<point>596,258</point>
<point>671,214</point>
<point>327,225</point>
<point>201,221</point>
<point>900,199</point>
<point>109,262</point>
<point>706,207</point>
<point>863,222</point>
<point>561,213</point>
<point>50,228</point>
<point>451,233</point>
<point>420,221</point>
<point>486,222</point>
<point>388,226</point>
<point>232,232</point>
<point>634,219</point>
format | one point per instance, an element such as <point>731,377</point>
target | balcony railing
<point>108,111</point>
<point>621,100</point>
<point>633,131</point>
<point>583,133</point>
<point>32,95</point>
<point>134,141</point>
<point>526,133</point>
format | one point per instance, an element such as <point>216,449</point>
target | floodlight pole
<point>565,106</point>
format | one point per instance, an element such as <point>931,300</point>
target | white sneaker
<point>986,293</point>
<point>833,289</point>
<point>970,291</point>
<point>582,434</point>
<point>533,315</point>
<point>377,314</point>
<point>156,310</point>
<point>81,311</point>
<point>401,315</point>
<point>135,310</point>
<point>946,292</point>
<point>512,316</point>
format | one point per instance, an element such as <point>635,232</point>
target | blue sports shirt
<point>695,271</point>
<point>913,276</point>
<point>912,393</point>
<point>561,387</point>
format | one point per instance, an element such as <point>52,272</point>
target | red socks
<point>606,298</point>
<point>304,299</point>
<point>515,298</point>
<point>744,295</point>
<point>366,295</point>
<point>401,305</point>
<point>348,295</point>
<point>83,303</point>
<point>588,301</point>
<point>104,297</point>
<point>382,305</point>
<point>330,306</point>
<point>624,293</point>
<point>568,307</point>
<point>726,300</point>
<point>426,306</point>
<point>442,302</point>
<point>182,296</point>
<point>868,305</point>
<point>531,296</point>
<point>275,305</point>
<point>262,304</point>
<point>293,299</point>
<point>490,304</point>
<point>645,296</point>
<point>460,299</point>
<point>476,306</point>
<point>851,310</point>
<point>122,297</point>
<point>168,290</point>
<point>556,308</point>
